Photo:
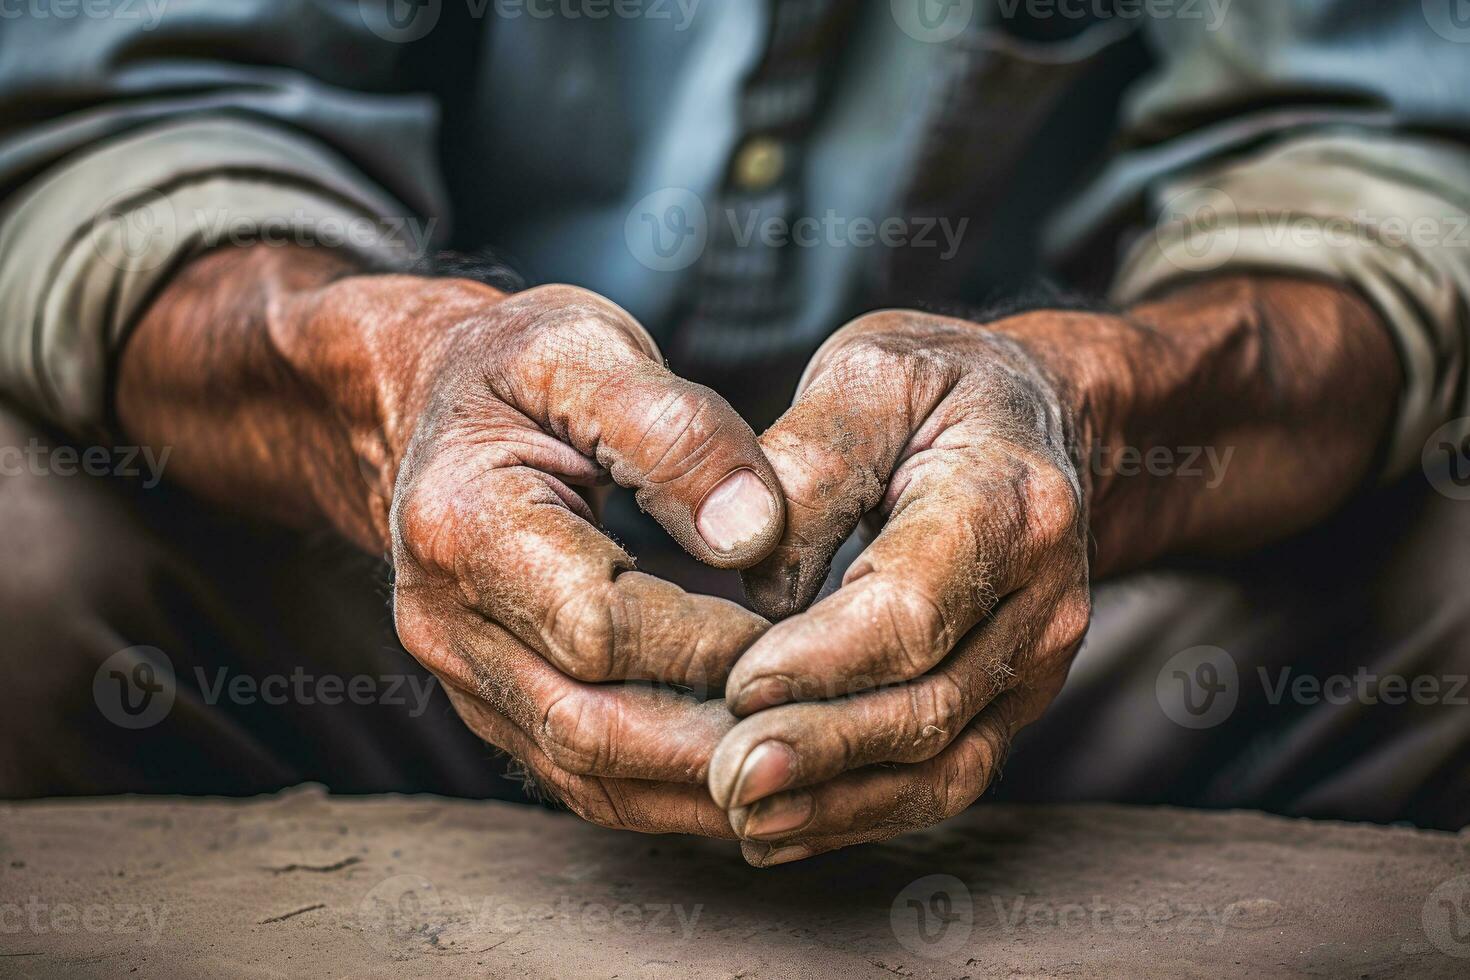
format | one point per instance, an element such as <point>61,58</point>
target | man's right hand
<point>481,420</point>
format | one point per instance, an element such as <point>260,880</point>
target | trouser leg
<point>284,663</point>
<point>1338,688</point>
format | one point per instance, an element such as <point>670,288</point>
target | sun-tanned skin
<point>279,374</point>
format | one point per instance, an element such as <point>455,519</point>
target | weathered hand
<point>478,418</point>
<point>889,704</point>
<point>506,589</point>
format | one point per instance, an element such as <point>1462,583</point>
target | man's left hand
<point>951,630</point>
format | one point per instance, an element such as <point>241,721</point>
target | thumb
<point>693,461</point>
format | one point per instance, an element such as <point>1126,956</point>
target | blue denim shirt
<point>741,175</point>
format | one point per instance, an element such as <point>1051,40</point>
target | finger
<point>517,553</point>
<point>882,802</point>
<point>625,804</point>
<point>834,452</point>
<point>802,744</point>
<point>966,524</point>
<point>590,374</point>
<point>617,730</point>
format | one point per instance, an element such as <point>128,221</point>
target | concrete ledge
<point>306,884</point>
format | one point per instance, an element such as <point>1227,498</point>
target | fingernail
<point>767,768</point>
<point>780,815</point>
<point>781,855</point>
<point>737,510</point>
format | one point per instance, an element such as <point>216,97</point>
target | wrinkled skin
<point>890,704</point>
<point>464,432</point>
<point>475,417</point>
<point>970,468</point>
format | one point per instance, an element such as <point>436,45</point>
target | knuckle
<point>874,361</point>
<point>573,735</point>
<point>1053,506</point>
<point>891,347</point>
<point>916,630</point>
<point>938,706</point>
<point>417,629</point>
<point>960,782</point>
<point>425,520</point>
<point>682,429</point>
<point>880,323</point>
<point>589,799</point>
<point>585,629</point>
<point>1069,623</point>
<point>569,324</point>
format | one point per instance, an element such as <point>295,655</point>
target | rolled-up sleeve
<point>1328,138</point>
<point>1387,215</point>
<point>152,144</point>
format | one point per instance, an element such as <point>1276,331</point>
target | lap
<point>153,645</point>
<point>1324,676</point>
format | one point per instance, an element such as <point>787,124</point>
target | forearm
<point>201,375</point>
<point>279,394</point>
<point>1222,415</point>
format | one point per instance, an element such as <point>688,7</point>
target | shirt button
<point>759,163</point>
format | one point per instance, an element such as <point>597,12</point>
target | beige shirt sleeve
<point>86,245</point>
<point>1385,213</point>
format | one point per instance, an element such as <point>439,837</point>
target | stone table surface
<point>305,884</point>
